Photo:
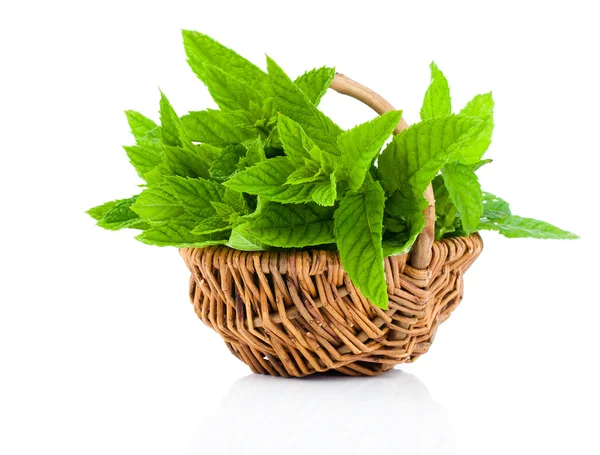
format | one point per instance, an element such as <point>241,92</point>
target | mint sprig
<point>268,169</point>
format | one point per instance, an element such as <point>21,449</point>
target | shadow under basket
<point>295,313</point>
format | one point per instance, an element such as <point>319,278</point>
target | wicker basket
<point>295,313</point>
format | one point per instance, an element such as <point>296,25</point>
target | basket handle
<point>420,253</point>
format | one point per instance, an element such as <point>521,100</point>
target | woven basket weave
<point>295,312</point>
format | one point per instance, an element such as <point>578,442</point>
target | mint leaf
<point>296,143</point>
<point>156,204</point>
<point>465,192</point>
<point>242,239</point>
<point>255,153</point>
<point>211,225</point>
<point>481,106</point>
<point>169,122</point>
<point>201,49</point>
<point>147,153</point>
<point>217,127</point>
<point>116,215</point>
<point>268,180</point>
<point>495,208</point>
<point>325,193</point>
<point>415,156</point>
<point>497,217</point>
<point>413,159</point>
<point>235,200</point>
<point>437,98</point>
<point>196,195</point>
<point>227,162</point>
<point>181,156</point>
<point>143,159</point>
<point>230,93</point>
<point>99,211</point>
<point>292,226</point>
<point>399,205</point>
<point>516,227</point>
<point>358,232</point>
<point>314,83</point>
<point>142,127</point>
<point>361,144</point>
<point>224,211</point>
<point>184,162</point>
<point>445,210</point>
<point>120,216</point>
<point>304,174</point>
<point>292,102</point>
<point>410,228</point>
<point>479,164</point>
<point>179,234</point>
<point>156,176</point>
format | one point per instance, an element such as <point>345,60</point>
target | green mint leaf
<point>156,176</point>
<point>325,193</point>
<point>413,159</point>
<point>497,216</point>
<point>99,211</point>
<point>481,106</point>
<point>116,215</point>
<point>201,50</point>
<point>156,204</point>
<point>268,180</point>
<point>445,210</point>
<point>360,145</point>
<point>196,195</point>
<point>272,142</point>
<point>184,162</point>
<point>242,239</point>
<point>142,127</point>
<point>236,201</point>
<point>143,159</point>
<point>206,153</point>
<point>296,143</point>
<point>495,208</point>
<point>415,156</point>
<point>437,98</point>
<point>292,102</point>
<point>224,211</point>
<point>181,156</point>
<point>227,162</point>
<point>479,164</point>
<point>399,205</point>
<point>292,226</point>
<point>178,233</point>
<point>358,231</point>
<point>255,153</point>
<point>517,227</point>
<point>217,127</point>
<point>211,225</point>
<point>314,83</point>
<point>392,225</point>
<point>169,122</point>
<point>304,174</point>
<point>410,228</point>
<point>465,192</point>
<point>230,93</point>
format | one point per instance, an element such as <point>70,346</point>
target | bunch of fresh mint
<point>270,170</point>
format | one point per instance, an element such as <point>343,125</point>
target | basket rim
<point>313,248</point>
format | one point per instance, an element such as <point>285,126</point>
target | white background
<point>100,351</point>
